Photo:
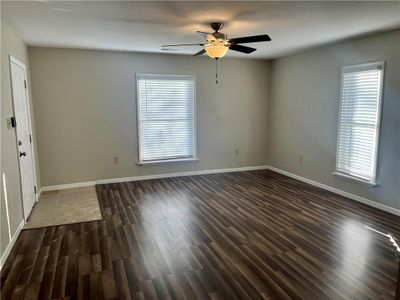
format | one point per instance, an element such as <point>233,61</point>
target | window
<point>166,118</point>
<point>359,119</point>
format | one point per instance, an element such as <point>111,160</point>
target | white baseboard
<point>339,192</point>
<point>67,186</point>
<point>180,174</point>
<point>228,170</point>
<point>147,177</point>
<point>11,244</point>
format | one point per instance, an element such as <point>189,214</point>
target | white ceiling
<point>146,25</point>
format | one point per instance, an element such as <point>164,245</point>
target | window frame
<point>360,67</point>
<point>139,121</point>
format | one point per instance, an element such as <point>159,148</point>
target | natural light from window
<point>166,118</point>
<point>359,121</point>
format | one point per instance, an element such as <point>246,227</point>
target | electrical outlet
<point>236,151</point>
<point>116,160</point>
<point>300,158</point>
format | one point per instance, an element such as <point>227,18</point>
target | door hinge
<point>11,122</point>
<point>34,188</point>
<point>25,83</point>
<point>30,138</point>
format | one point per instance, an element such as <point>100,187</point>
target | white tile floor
<point>65,207</point>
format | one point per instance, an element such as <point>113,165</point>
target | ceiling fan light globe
<point>216,51</point>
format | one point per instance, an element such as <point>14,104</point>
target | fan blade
<point>201,52</point>
<point>179,45</point>
<point>251,39</point>
<point>203,32</point>
<point>243,49</point>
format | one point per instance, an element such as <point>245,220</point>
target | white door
<point>24,135</point>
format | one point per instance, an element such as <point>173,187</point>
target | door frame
<point>14,60</point>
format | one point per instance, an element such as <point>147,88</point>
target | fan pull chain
<point>216,71</point>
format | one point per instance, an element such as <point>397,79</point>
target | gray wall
<point>85,112</point>
<point>10,45</point>
<point>271,112</point>
<point>303,114</point>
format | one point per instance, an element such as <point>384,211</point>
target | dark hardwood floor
<point>247,235</point>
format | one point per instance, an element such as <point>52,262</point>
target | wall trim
<point>228,170</point>
<point>147,177</point>
<point>180,174</point>
<point>11,244</point>
<point>67,186</point>
<point>357,198</point>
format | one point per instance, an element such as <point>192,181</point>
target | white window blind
<point>166,117</point>
<point>359,120</point>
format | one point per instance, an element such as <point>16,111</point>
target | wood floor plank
<point>247,235</point>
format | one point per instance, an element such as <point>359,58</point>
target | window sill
<point>355,179</point>
<point>167,161</point>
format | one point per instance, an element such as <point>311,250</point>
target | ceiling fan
<point>217,43</point>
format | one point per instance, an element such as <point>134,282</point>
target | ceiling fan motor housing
<point>216,36</point>
<point>219,36</point>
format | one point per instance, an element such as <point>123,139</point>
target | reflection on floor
<point>65,207</point>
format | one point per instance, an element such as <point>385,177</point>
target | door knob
<point>22,153</point>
